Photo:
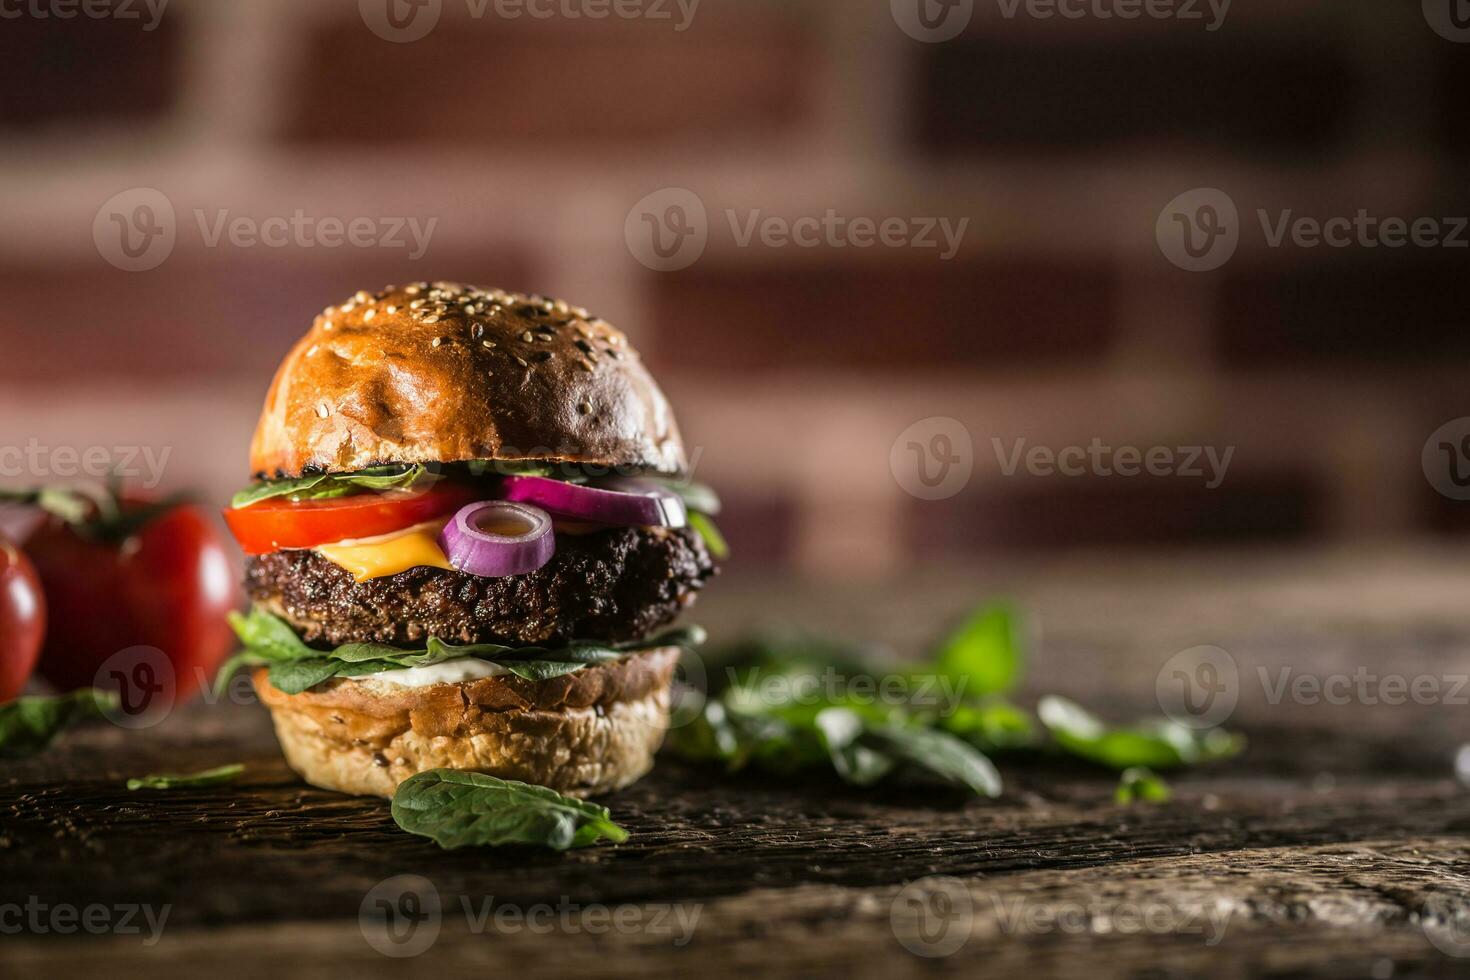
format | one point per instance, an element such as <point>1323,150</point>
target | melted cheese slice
<point>389,554</point>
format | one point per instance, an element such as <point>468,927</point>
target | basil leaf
<point>1158,744</point>
<point>991,725</point>
<point>209,777</point>
<point>295,676</point>
<point>984,653</point>
<point>275,488</point>
<point>332,484</point>
<point>713,539</point>
<point>940,754</point>
<point>696,496</point>
<point>270,636</point>
<point>268,639</point>
<point>539,670</point>
<point>859,764</point>
<point>461,809</point>
<point>27,725</point>
<point>1142,784</point>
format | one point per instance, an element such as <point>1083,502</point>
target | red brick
<point>893,315</point>
<point>195,314</point>
<point>1406,305</point>
<point>519,87</point>
<point>984,93</point>
<point>85,68</point>
<point>1118,512</point>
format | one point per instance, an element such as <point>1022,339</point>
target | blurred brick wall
<point>794,369</point>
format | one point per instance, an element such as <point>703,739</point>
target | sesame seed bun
<point>580,734</point>
<point>445,373</point>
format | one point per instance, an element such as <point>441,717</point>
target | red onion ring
<point>473,549</point>
<point>650,507</point>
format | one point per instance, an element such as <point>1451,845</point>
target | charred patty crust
<point>613,585</point>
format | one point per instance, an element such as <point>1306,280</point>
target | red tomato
<point>22,620</point>
<point>168,586</point>
<point>282,523</point>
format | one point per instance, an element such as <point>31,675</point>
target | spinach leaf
<point>332,484</point>
<point>984,653</point>
<point>460,809</point>
<point>713,539</point>
<point>27,725</point>
<point>1154,744</point>
<point>991,725</point>
<point>1142,784</point>
<point>296,667</point>
<point>940,754</point>
<point>209,777</point>
<point>842,732</point>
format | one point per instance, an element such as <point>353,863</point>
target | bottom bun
<point>580,734</point>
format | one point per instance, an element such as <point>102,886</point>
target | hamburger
<point>470,531</point>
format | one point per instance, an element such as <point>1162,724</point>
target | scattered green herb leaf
<point>209,777</point>
<point>1140,784</point>
<point>463,809</point>
<point>27,725</point>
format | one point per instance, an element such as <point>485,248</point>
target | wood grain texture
<point>1328,849</point>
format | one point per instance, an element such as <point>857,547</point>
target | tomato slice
<point>280,522</point>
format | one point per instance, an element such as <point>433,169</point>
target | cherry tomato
<point>279,522</point>
<point>168,586</point>
<point>22,620</point>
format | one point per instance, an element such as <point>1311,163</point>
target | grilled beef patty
<point>614,585</point>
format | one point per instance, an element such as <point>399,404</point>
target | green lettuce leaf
<point>332,484</point>
<point>209,777</point>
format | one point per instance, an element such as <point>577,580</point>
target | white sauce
<point>449,672</point>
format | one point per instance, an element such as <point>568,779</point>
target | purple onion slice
<point>648,506</point>
<point>494,538</point>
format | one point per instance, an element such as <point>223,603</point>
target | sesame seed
<point>522,361</point>
<point>326,324</point>
<point>310,351</point>
<point>412,290</point>
<point>585,408</point>
<point>369,315</point>
<point>528,336</point>
<point>322,410</point>
<point>391,310</point>
<point>438,341</point>
<point>487,344</point>
<point>477,330</point>
<point>432,318</point>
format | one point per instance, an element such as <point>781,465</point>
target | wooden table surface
<point>1338,845</point>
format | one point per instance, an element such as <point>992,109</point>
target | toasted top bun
<point>445,373</point>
